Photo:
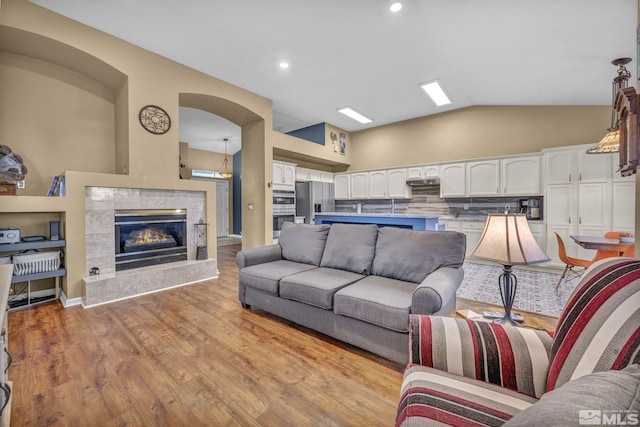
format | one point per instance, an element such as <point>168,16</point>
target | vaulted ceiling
<point>357,53</point>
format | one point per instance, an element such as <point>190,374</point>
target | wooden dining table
<point>601,243</point>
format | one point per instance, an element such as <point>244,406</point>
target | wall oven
<point>284,209</point>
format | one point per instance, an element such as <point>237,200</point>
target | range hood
<point>429,181</point>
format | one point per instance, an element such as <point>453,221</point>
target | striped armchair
<point>464,372</point>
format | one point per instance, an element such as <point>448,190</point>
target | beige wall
<point>477,132</point>
<point>55,119</point>
<point>89,87</point>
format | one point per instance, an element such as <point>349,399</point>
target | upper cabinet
<point>397,187</point>
<point>594,167</point>
<point>417,172</point>
<point>559,167</point>
<point>284,176</point>
<point>516,176</point>
<point>483,178</point>
<point>452,180</point>
<point>377,184</point>
<point>360,185</point>
<point>342,186</point>
<point>521,176</point>
<point>304,174</point>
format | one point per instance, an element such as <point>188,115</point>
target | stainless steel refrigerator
<point>312,197</point>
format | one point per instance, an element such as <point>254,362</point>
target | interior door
<point>222,208</point>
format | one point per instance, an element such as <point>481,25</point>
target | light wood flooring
<point>190,356</point>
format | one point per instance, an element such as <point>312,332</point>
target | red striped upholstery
<point>471,369</point>
<point>432,396</point>
<point>516,358</point>
<point>599,328</point>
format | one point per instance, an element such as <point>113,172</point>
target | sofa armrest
<point>260,255</point>
<point>509,356</point>
<point>437,292</point>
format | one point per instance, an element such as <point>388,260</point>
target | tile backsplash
<point>427,201</point>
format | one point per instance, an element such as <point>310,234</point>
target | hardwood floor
<point>190,356</point>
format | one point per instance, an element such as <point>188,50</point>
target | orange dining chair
<point>629,252</point>
<point>570,263</point>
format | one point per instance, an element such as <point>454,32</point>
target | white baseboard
<point>69,302</point>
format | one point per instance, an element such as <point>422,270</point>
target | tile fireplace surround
<point>109,285</point>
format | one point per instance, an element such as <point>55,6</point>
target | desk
<point>601,243</point>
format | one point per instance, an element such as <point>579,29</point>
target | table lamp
<point>507,240</point>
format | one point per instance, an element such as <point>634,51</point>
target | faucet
<point>393,206</point>
<point>359,207</point>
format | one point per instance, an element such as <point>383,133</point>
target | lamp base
<point>506,320</point>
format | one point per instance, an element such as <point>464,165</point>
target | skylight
<point>351,113</point>
<point>436,93</point>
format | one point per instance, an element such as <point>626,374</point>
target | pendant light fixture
<point>224,169</point>
<point>610,143</point>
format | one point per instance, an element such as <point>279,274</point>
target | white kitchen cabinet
<point>483,178</point>
<point>452,180</point>
<point>473,231</point>
<point>377,184</point>
<point>342,186</point>
<point>520,176</point>
<point>593,205</point>
<point>624,206</point>
<point>326,177</point>
<point>559,166</point>
<point>360,185</point>
<point>594,167</point>
<point>302,174</point>
<point>284,176</point>
<point>584,195</point>
<point>538,232</point>
<point>417,172</point>
<point>315,175</point>
<point>397,187</point>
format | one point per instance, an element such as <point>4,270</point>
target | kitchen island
<point>413,221</point>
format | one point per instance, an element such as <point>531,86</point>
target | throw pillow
<point>303,242</point>
<point>609,397</point>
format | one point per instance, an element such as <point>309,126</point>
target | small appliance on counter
<point>9,235</point>
<point>531,207</point>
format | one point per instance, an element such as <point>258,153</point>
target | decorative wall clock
<point>154,119</point>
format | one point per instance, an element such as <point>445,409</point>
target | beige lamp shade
<point>610,143</point>
<point>507,240</point>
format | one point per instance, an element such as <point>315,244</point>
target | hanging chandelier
<point>224,169</point>
<point>610,143</point>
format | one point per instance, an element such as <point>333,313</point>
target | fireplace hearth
<point>149,237</point>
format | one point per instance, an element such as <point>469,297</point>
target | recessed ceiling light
<point>284,65</point>
<point>436,93</point>
<point>350,112</point>
<point>395,6</point>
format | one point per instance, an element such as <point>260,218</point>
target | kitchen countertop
<point>382,215</point>
<point>479,218</point>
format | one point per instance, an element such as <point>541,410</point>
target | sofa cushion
<point>317,286</point>
<point>303,242</point>
<point>412,254</point>
<point>432,397</point>
<point>598,398</point>
<point>378,300</point>
<point>350,247</point>
<point>266,277</point>
<point>598,328</point>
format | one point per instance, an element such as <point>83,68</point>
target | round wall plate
<point>154,119</point>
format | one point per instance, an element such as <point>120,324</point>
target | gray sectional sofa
<point>356,283</point>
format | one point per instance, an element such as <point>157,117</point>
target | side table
<point>466,308</point>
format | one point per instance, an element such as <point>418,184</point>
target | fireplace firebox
<point>150,237</point>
